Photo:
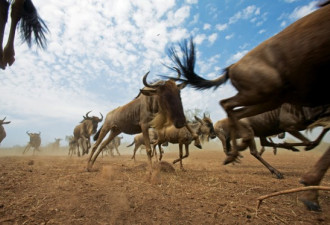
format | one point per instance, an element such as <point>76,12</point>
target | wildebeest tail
<point>32,23</point>
<point>187,65</point>
<point>130,144</point>
<point>96,136</point>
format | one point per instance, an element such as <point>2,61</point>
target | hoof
<point>198,146</point>
<point>310,205</point>
<point>279,175</point>
<point>230,159</point>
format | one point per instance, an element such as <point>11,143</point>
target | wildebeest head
<point>169,101</point>
<point>94,119</point>
<point>206,128</point>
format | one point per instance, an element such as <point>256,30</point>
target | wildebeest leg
<point>317,141</point>
<point>264,142</point>
<point>4,6</point>
<point>117,150</point>
<point>180,156</point>
<point>254,152</point>
<point>314,177</point>
<point>27,148</point>
<point>134,151</point>
<point>145,132</point>
<point>247,108</point>
<point>16,14</point>
<point>305,141</point>
<point>160,152</point>
<point>225,144</point>
<point>103,133</point>
<point>113,133</point>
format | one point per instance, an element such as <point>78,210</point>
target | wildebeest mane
<point>32,23</point>
<point>187,65</point>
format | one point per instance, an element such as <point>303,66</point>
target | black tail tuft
<point>32,23</point>
<point>187,66</point>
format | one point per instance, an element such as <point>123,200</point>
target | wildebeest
<point>72,145</point>
<point>2,129</point>
<point>156,105</point>
<point>288,118</point>
<point>113,145</point>
<point>292,66</point>
<point>56,144</point>
<point>30,23</point>
<point>84,131</point>
<point>203,128</point>
<point>34,142</point>
<point>139,141</point>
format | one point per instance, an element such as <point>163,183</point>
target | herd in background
<point>281,87</point>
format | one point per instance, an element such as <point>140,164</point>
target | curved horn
<point>145,82</point>
<point>87,117</point>
<point>101,117</point>
<point>27,132</point>
<point>4,119</point>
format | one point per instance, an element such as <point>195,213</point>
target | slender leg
<point>254,152</point>
<point>113,134</point>
<point>103,133</point>
<point>16,14</point>
<point>314,177</point>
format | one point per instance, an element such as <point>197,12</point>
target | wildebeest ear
<point>148,92</point>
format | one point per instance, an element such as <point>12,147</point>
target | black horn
<point>87,117</point>
<point>101,117</point>
<point>146,84</point>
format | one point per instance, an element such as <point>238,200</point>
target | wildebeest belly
<point>132,129</point>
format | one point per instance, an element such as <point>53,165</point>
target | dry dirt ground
<point>53,188</point>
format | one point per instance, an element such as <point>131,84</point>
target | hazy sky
<point>98,52</point>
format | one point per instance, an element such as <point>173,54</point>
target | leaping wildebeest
<point>156,105</point>
<point>288,118</point>
<point>34,142</point>
<point>83,132</point>
<point>2,129</point>
<point>22,11</point>
<point>293,66</point>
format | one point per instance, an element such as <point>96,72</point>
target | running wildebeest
<point>84,131</point>
<point>288,118</point>
<point>22,11</point>
<point>2,129</point>
<point>34,142</point>
<point>292,66</point>
<point>56,144</point>
<point>156,105</point>
<point>203,128</point>
<point>72,145</point>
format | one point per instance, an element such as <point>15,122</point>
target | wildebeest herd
<point>282,87</point>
